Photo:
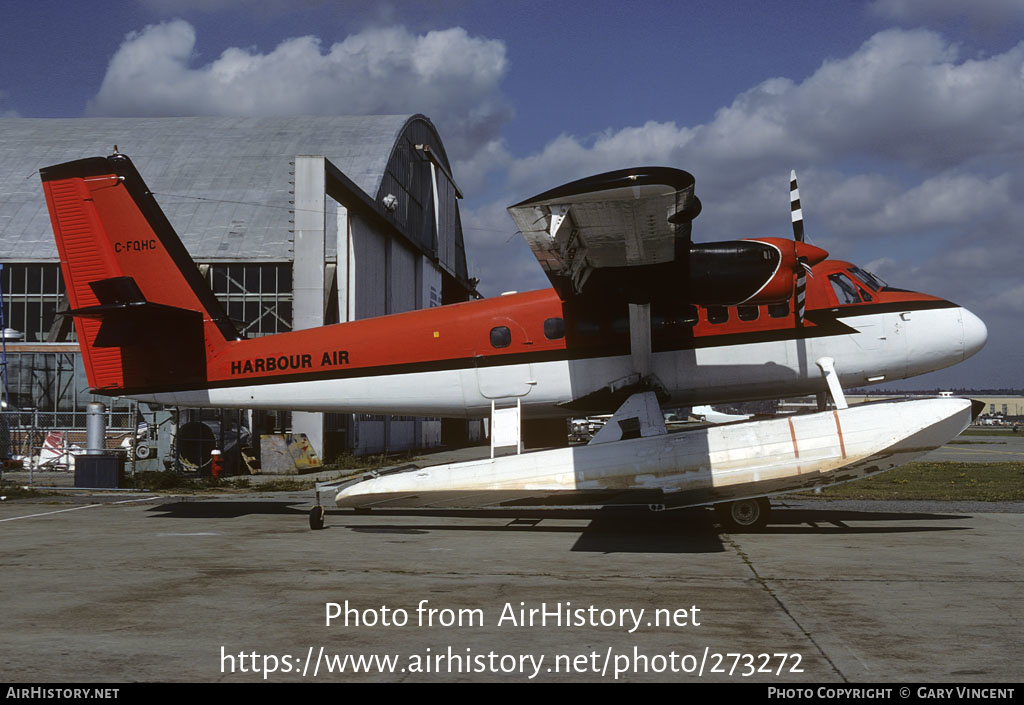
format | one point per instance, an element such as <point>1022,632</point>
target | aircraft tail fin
<point>145,318</point>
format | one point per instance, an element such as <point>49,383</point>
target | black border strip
<point>622,178</point>
<point>827,324</point>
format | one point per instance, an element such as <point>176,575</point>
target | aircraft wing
<point>633,222</point>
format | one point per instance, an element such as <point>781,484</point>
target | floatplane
<point>638,317</point>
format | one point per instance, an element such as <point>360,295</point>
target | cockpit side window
<point>870,280</point>
<point>845,290</point>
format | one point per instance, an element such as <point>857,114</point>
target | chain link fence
<point>40,438</point>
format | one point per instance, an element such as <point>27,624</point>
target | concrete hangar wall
<point>295,222</point>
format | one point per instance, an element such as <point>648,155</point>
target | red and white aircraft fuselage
<point>150,328</point>
<point>440,362</point>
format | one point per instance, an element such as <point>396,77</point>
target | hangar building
<point>294,222</point>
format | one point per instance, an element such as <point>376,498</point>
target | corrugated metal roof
<point>223,182</point>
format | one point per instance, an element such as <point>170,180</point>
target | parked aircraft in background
<point>708,414</point>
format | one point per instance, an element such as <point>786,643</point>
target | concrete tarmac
<point>1005,447</point>
<point>223,588</point>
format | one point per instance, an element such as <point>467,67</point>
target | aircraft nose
<point>975,333</point>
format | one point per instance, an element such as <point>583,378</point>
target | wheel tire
<point>142,451</point>
<point>316,518</point>
<point>744,514</point>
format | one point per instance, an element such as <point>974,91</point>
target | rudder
<point>144,316</point>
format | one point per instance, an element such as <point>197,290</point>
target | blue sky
<point>903,118</point>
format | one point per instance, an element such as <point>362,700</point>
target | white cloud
<point>982,14</point>
<point>903,98</point>
<point>567,158</point>
<point>496,253</point>
<point>901,149</point>
<point>948,200</point>
<point>472,172</point>
<point>448,75</point>
<point>266,7</point>
<point>6,113</point>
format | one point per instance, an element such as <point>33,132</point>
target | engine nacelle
<point>751,272</point>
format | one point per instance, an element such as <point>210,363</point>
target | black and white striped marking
<point>800,293</point>
<point>794,207</point>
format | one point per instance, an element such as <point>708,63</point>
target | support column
<point>308,278</point>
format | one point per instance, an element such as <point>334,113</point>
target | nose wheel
<point>316,518</point>
<point>744,514</point>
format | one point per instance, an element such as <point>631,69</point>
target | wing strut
<point>639,417</point>
<point>828,368</point>
<point>640,340</point>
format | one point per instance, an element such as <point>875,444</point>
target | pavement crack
<point>763,582</point>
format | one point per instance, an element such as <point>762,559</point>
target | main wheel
<point>316,518</point>
<point>744,514</point>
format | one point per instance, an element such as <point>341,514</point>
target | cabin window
<point>779,310</point>
<point>674,321</point>
<point>690,316</point>
<point>748,313</point>
<point>587,327</point>
<point>554,329</point>
<point>718,314</point>
<point>501,336</point>
<point>845,290</point>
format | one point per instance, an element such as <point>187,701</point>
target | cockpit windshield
<point>873,282</point>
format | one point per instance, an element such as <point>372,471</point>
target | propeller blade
<point>794,207</point>
<point>800,293</point>
<point>797,214</point>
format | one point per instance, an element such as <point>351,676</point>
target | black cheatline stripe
<point>826,322</point>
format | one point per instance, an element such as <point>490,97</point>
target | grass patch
<point>15,491</point>
<point>172,481</point>
<point>283,486</point>
<point>347,461</point>
<point>979,482</point>
<point>166,480</point>
<point>1005,431</point>
<point>175,482</point>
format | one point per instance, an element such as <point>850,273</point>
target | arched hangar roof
<point>224,182</point>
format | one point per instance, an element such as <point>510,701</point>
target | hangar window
<point>256,297</point>
<point>587,327</point>
<point>501,337</point>
<point>554,329</point>
<point>31,293</point>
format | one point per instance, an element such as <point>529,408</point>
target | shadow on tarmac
<point>610,530</point>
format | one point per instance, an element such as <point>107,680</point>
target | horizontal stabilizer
<point>127,319</point>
